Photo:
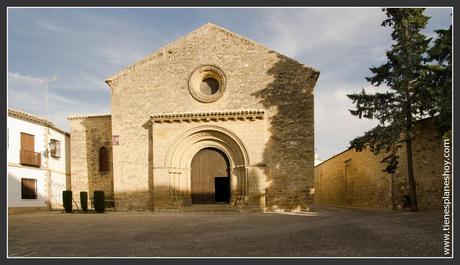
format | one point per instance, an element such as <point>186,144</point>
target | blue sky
<point>83,47</point>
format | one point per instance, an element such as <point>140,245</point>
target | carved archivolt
<point>180,154</point>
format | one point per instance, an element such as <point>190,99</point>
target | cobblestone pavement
<point>326,232</point>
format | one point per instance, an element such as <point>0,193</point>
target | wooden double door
<point>210,178</point>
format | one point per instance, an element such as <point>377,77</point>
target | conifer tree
<point>438,78</point>
<point>407,97</point>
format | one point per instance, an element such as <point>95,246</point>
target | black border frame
<point>183,3</point>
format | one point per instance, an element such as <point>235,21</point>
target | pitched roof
<point>34,119</point>
<point>202,28</point>
<point>81,117</point>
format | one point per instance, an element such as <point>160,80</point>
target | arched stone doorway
<point>180,156</point>
<point>210,177</point>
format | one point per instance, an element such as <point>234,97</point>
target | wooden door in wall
<point>208,166</point>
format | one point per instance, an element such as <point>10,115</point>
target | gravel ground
<point>327,232</point>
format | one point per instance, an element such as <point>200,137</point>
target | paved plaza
<point>326,232</point>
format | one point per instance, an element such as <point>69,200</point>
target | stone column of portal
<point>175,187</point>
<point>246,182</point>
<point>178,187</point>
<point>172,183</point>
<point>235,190</point>
<point>172,186</point>
<point>186,193</point>
<point>241,173</point>
<point>181,186</point>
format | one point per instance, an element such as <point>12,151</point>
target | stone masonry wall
<point>166,134</point>
<point>428,163</point>
<point>257,78</point>
<point>87,135</point>
<point>353,178</point>
<point>356,178</point>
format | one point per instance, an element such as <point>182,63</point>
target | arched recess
<point>103,159</point>
<point>180,154</point>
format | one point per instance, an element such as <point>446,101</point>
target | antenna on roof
<point>46,82</point>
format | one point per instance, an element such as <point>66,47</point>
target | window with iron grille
<point>28,188</point>
<point>55,148</point>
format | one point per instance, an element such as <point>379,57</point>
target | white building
<point>38,162</point>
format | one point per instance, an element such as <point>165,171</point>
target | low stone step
<point>209,208</point>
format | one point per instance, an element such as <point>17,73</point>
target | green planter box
<point>67,200</point>
<point>99,201</point>
<point>84,201</point>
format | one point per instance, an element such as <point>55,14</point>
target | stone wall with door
<point>209,89</point>
<point>246,76</point>
<point>176,143</point>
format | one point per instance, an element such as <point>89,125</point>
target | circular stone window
<point>207,83</point>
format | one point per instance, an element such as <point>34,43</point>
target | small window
<point>103,159</point>
<point>55,148</point>
<point>28,188</point>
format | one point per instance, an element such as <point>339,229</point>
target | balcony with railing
<point>30,158</point>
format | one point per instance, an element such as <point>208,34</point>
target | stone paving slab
<point>327,232</point>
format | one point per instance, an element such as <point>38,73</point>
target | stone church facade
<point>211,118</point>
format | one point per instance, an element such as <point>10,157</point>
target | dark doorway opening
<point>210,181</point>
<point>222,189</point>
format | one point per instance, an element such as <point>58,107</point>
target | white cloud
<point>87,46</point>
<point>81,36</point>
<point>27,93</point>
<point>111,40</point>
<point>335,127</point>
<point>342,43</point>
<point>295,31</point>
<point>120,55</point>
<point>46,25</point>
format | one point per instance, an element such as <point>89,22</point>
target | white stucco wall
<point>59,168</point>
<point>52,176</point>
<point>58,184</point>
<point>15,127</point>
<point>59,164</point>
<point>14,187</point>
